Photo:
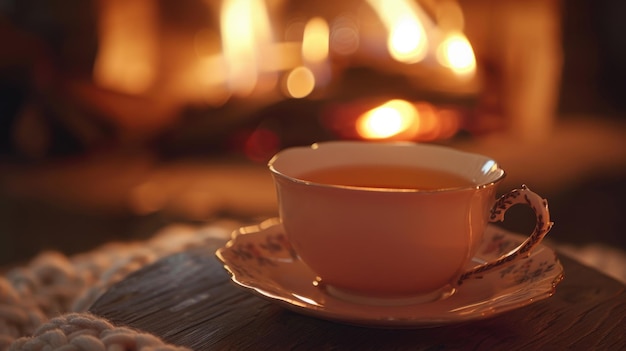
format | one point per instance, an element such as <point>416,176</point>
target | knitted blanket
<point>43,304</point>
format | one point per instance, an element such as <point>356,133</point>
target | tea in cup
<point>394,219</point>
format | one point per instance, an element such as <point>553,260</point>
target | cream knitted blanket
<point>43,304</point>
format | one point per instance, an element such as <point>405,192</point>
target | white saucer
<point>261,259</point>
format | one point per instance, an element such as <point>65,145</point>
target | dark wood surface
<point>188,299</point>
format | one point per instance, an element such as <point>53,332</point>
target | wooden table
<point>587,312</point>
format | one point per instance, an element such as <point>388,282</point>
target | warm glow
<point>456,53</point>
<point>246,34</point>
<point>435,123</point>
<point>407,41</point>
<point>449,16</point>
<point>387,120</point>
<point>300,82</point>
<point>139,55</point>
<point>128,48</point>
<point>315,48</point>
<point>400,120</point>
<point>285,56</point>
<point>315,40</point>
<point>344,38</point>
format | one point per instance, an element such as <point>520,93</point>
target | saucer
<point>261,259</point>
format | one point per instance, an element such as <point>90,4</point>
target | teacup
<point>394,219</point>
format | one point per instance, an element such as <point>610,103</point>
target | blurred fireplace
<point>253,76</point>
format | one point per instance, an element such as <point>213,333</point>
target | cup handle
<point>542,226</point>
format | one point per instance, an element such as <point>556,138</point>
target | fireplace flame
<point>246,39</point>
<point>315,40</point>
<point>244,59</point>
<point>407,41</point>
<point>250,56</point>
<point>387,120</point>
<point>302,80</point>
<point>456,53</point>
<point>399,119</point>
<point>128,50</point>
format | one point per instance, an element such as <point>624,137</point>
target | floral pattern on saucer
<point>260,258</point>
<point>526,270</point>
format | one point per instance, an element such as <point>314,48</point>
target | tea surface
<point>387,176</point>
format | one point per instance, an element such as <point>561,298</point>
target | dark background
<point>589,209</point>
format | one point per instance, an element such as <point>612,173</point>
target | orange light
<point>300,82</point>
<point>402,120</point>
<point>407,41</point>
<point>387,120</point>
<point>456,53</point>
<point>246,34</point>
<point>127,56</point>
<point>315,40</point>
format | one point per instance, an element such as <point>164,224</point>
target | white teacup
<point>379,235</point>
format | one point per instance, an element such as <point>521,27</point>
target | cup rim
<point>294,179</point>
